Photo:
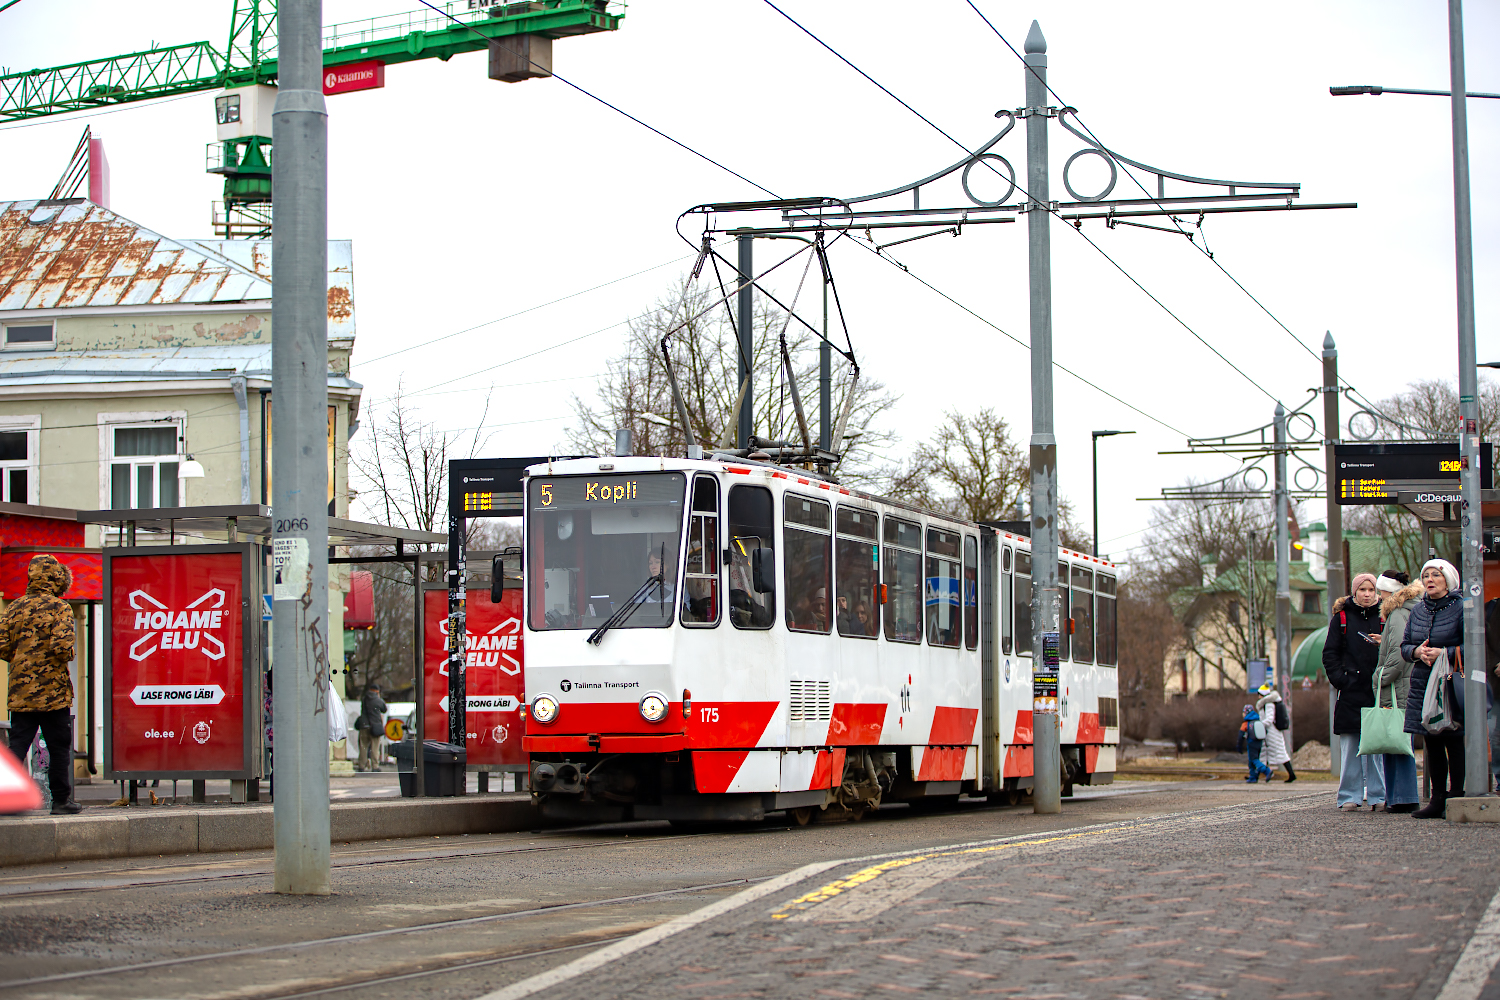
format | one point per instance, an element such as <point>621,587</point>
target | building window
<point>29,336</point>
<point>18,448</point>
<point>143,467</point>
<point>1311,605</point>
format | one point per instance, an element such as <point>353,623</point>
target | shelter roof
<point>254,520</point>
<point>72,253</point>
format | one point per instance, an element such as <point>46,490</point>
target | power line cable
<point>1144,190</point>
<point>523,312</point>
<point>1199,337</point>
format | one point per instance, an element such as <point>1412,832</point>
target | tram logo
<point>566,686</point>
<point>191,628</point>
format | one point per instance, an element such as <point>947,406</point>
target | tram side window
<point>1105,623</point>
<point>1007,610</point>
<point>1083,615</point>
<point>806,530</point>
<point>857,572</point>
<point>700,592</point>
<point>1064,644</point>
<point>1022,603</point>
<point>752,557</point>
<point>942,598</point>
<point>971,593</point>
<point>903,580</point>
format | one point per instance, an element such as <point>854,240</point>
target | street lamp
<point>1096,435</point>
<point>1377,91</point>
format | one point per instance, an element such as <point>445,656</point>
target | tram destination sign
<point>1403,473</point>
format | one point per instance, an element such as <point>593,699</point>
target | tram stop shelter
<point>186,623</point>
<point>1442,528</point>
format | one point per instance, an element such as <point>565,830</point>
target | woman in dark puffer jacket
<point>1436,624</point>
<point>1350,655</point>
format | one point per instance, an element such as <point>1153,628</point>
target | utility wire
<point>1202,250</point>
<point>596,97</point>
<point>884,257</point>
<point>529,309</point>
<point>1199,337</point>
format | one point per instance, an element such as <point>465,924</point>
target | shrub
<point>1210,720</point>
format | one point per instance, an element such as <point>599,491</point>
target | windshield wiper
<point>624,613</point>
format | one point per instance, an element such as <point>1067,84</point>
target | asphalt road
<point>1146,883</point>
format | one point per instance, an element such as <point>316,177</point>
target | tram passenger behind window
<point>662,591</point>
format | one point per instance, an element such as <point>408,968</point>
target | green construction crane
<point>518,35</point>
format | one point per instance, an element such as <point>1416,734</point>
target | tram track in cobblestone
<point>364,936</point>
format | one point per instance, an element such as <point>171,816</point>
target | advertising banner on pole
<point>180,670</point>
<point>493,667</point>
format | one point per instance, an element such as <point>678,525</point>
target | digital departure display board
<point>1403,473</point>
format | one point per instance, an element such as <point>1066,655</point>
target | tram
<point>716,640</point>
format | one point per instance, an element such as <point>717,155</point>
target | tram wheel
<point>802,816</point>
<point>1012,796</point>
<point>857,813</point>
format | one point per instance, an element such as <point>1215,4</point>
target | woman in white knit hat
<point>1436,625</point>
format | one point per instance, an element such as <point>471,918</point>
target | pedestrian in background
<point>1252,738</point>
<point>1349,657</point>
<point>37,639</point>
<point>371,726</point>
<point>1436,624</point>
<point>1393,683</point>
<point>1273,712</point>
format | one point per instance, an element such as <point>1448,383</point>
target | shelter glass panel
<point>806,562</point>
<point>943,597</point>
<point>903,580</point>
<point>603,549</point>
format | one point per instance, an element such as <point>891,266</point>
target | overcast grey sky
<point>468,200</point>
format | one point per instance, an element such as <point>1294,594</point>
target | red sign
<point>493,678</point>
<point>175,667</point>
<point>355,76</point>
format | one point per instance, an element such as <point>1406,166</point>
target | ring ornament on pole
<point>1254,479</point>
<point>1114,174</point>
<point>964,180</point>
<point>1306,478</point>
<point>1304,423</point>
<point>1363,425</point>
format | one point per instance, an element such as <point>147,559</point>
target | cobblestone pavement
<point>1286,898</point>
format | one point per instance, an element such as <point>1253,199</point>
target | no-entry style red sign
<point>493,677</point>
<point>179,694</point>
<point>356,76</point>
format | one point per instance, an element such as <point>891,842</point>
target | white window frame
<point>32,425</point>
<point>111,422</point>
<point>36,345</point>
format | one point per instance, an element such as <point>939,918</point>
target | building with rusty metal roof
<point>123,352</point>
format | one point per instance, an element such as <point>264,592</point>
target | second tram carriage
<point>716,640</point>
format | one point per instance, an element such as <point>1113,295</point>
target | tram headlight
<point>544,708</point>
<point>654,706</point>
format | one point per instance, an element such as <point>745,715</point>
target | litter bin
<point>443,767</point>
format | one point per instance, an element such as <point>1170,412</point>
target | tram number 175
<point>708,714</point>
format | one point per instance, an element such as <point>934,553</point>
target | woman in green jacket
<point>1393,682</point>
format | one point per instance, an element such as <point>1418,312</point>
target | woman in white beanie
<point>1436,624</point>
<point>1274,753</point>
<point>1393,682</point>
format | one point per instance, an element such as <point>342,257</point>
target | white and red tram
<point>711,640</point>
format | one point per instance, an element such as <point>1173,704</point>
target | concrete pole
<point>1476,752</point>
<point>1335,517</point>
<point>747,341</point>
<point>1046,599</point>
<point>1282,679</point>
<point>299,450</point>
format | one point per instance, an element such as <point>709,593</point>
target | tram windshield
<point>597,545</point>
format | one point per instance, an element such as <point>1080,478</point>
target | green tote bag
<point>1382,730</point>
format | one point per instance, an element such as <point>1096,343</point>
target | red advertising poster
<point>175,667</point>
<point>493,678</point>
<point>365,75</point>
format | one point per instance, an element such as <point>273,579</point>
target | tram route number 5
<point>709,714</point>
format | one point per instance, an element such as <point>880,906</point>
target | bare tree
<point>1147,633</point>
<point>1432,405</point>
<point>972,468</point>
<point>635,392</point>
